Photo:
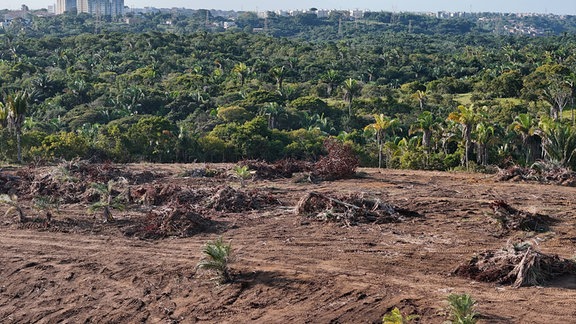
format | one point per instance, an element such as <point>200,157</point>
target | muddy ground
<point>287,268</point>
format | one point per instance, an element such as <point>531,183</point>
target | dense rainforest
<point>404,91</point>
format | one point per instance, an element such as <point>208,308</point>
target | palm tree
<point>525,126</point>
<point>447,134</point>
<point>332,79</point>
<point>17,106</point>
<point>466,117</point>
<point>279,73</point>
<point>559,143</point>
<point>571,82</point>
<point>425,124</point>
<point>271,110</point>
<point>381,125</point>
<point>242,71</point>
<point>421,97</point>
<point>484,135</point>
<point>351,90</point>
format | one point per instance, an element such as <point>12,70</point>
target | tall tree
<point>558,95</point>
<point>17,107</point>
<point>484,136</point>
<point>467,118</point>
<point>332,79</point>
<point>242,71</point>
<point>548,83</point>
<point>525,126</point>
<point>421,96</point>
<point>352,89</point>
<point>271,110</point>
<point>425,124</point>
<point>380,126</point>
<point>278,73</point>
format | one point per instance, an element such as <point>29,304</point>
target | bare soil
<point>287,268</point>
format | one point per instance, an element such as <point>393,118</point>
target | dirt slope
<point>289,269</point>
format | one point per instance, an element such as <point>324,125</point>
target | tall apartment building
<point>63,6</point>
<point>82,6</point>
<point>94,7</point>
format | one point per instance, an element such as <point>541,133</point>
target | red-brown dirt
<point>287,268</point>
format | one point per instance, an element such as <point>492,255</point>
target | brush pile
<point>350,210</point>
<point>511,218</point>
<point>170,221</point>
<point>543,172</point>
<point>279,169</point>
<point>517,264</point>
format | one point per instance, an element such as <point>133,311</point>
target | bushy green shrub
<point>64,145</point>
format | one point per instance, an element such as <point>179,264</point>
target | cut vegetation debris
<point>340,162</point>
<point>516,264</point>
<point>511,218</point>
<point>351,210</point>
<point>280,169</point>
<point>543,172</point>
<point>170,221</point>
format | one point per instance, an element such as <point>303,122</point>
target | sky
<point>516,6</point>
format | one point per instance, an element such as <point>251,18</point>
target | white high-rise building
<point>63,6</point>
<point>94,7</point>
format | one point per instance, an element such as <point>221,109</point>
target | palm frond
<point>216,258</point>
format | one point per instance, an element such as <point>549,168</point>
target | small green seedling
<point>216,258</point>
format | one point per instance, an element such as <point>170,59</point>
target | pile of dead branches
<point>279,169</point>
<point>170,221</point>
<point>156,194</point>
<point>228,199</point>
<point>340,162</point>
<point>543,172</point>
<point>9,184</point>
<point>350,210</point>
<point>511,218</point>
<point>224,198</point>
<point>91,172</point>
<point>56,183</point>
<point>204,173</point>
<point>516,264</point>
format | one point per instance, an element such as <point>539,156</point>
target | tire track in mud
<point>85,270</point>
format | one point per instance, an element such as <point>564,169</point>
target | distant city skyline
<point>561,7</point>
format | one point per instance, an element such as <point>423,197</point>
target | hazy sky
<point>540,6</point>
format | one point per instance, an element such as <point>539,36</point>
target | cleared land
<point>288,268</point>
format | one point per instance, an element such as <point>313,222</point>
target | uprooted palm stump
<point>516,264</point>
<point>351,209</point>
<point>514,219</point>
